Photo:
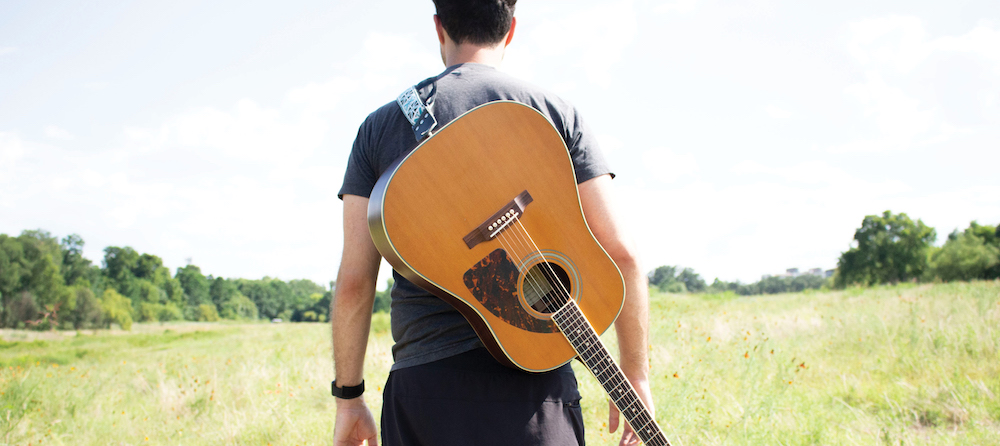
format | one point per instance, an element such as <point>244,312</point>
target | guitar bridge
<point>498,221</point>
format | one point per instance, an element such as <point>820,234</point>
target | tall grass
<point>894,365</point>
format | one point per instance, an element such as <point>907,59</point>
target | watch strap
<point>347,392</point>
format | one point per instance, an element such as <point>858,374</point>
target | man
<point>444,388</point>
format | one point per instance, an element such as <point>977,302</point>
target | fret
<point>592,352</point>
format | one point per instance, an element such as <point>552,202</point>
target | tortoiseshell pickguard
<point>493,282</point>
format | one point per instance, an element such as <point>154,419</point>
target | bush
<point>673,287</point>
<point>117,309</point>
<point>965,256</point>
<point>88,309</point>
<point>207,313</point>
<point>238,307</point>
<point>149,312</point>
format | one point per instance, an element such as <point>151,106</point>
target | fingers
<point>354,425</point>
<point>612,417</point>
<point>629,438</point>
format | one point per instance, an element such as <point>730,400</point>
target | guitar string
<point>628,399</point>
<point>545,261</point>
<point>521,233</point>
<point>535,281</point>
<point>509,246</point>
<point>520,236</point>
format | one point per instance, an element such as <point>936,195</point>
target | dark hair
<point>475,21</point>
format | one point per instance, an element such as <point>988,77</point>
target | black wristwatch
<point>347,393</point>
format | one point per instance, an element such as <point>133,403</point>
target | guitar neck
<point>595,356</point>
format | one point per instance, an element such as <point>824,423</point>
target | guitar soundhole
<point>546,287</point>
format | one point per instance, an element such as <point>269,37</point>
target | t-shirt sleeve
<point>588,160</point>
<point>361,175</point>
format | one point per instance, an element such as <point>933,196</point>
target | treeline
<point>888,248</point>
<point>891,248</point>
<point>674,279</point>
<point>47,283</point>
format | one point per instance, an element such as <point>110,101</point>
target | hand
<point>629,437</point>
<point>355,424</point>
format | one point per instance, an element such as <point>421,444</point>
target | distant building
<point>794,272</point>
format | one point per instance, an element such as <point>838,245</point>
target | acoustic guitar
<point>486,215</point>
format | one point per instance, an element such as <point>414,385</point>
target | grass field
<point>909,364</point>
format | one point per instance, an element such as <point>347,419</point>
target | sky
<point>747,137</point>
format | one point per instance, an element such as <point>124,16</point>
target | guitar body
<point>430,216</point>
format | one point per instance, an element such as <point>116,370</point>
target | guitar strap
<point>418,110</point>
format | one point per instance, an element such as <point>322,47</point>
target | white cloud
<point>587,38</point>
<point>249,132</point>
<point>55,132</point>
<point>820,173</point>
<point>667,166</point>
<point>777,112</point>
<point>983,41</point>
<point>903,43</point>
<point>676,6</point>
<point>895,41</point>
<point>901,120</point>
<point>387,61</point>
<point>4,50</point>
<point>901,63</point>
<point>11,148</point>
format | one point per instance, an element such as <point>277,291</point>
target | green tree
<point>967,255</point>
<point>75,267</point>
<point>88,308</point>
<point>662,274</point>
<point>116,308</point>
<point>691,280</point>
<point>196,289</point>
<point>238,307</point>
<point>889,248</point>
<point>305,297</point>
<point>674,279</point>
<point>271,296</point>
<point>207,313</point>
<point>222,290</point>
<point>119,265</point>
<point>146,267</point>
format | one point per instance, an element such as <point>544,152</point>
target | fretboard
<point>585,340</point>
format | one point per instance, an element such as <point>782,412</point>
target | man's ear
<point>510,33</point>
<point>439,28</point>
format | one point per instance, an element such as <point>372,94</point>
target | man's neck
<point>470,53</point>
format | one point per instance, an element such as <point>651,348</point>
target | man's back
<point>424,327</point>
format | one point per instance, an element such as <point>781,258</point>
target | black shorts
<point>471,399</point>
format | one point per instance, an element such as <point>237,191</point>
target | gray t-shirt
<point>424,327</point>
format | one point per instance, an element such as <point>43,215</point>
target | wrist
<point>347,392</point>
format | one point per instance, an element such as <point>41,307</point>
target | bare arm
<point>350,318</point>
<point>632,325</point>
